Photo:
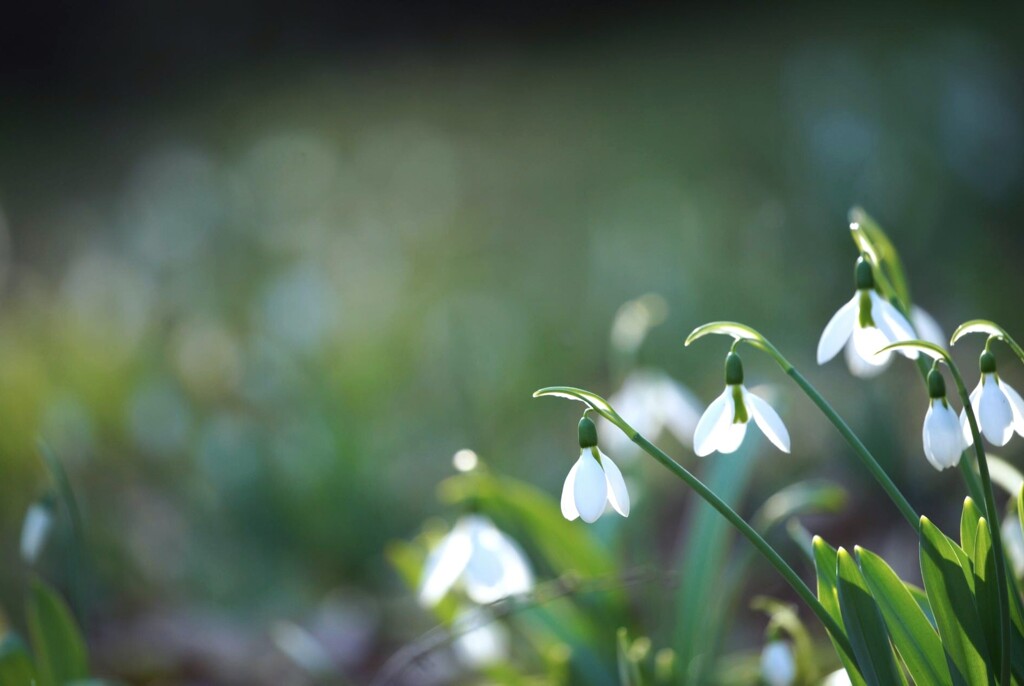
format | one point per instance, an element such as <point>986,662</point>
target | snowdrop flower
<point>651,401</point>
<point>778,667</point>
<point>865,325</point>
<point>840,677</point>
<point>998,408</point>
<point>36,530</point>
<point>724,424</point>
<point>593,482</point>
<point>490,565</point>
<point>942,436</point>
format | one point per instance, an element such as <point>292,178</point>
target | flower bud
<point>588,433</point>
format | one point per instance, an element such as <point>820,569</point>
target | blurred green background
<point>259,286</point>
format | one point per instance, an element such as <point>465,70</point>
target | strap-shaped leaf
<point>825,564</point>
<point>15,663</point>
<point>985,590</point>
<point>913,635</point>
<point>56,640</point>
<point>969,517</point>
<point>864,625</point>
<point>952,601</point>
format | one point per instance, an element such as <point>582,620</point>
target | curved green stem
<point>993,523</point>
<point>748,531</point>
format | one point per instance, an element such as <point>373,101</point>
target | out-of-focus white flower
<point>941,434</point>
<point>724,424</point>
<point>927,328</point>
<point>1013,537</point>
<point>650,401</point>
<point>865,325</point>
<point>778,666</point>
<point>490,565</point>
<point>840,677</point>
<point>36,530</point>
<point>998,408</point>
<point>480,640</point>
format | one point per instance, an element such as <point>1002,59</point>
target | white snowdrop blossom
<point>865,325</point>
<point>723,425</point>
<point>941,434</point>
<point>594,481</point>
<point>651,402</point>
<point>778,666</point>
<point>35,530</point>
<point>840,677</point>
<point>488,563</point>
<point>998,408</point>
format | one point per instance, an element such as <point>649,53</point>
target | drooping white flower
<point>723,425</point>
<point>998,408</point>
<point>489,564</point>
<point>865,325</point>
<point>36,530</point>
<point>840,677</point>
<point>941,434</point>
<point>651,401</point>
<point>593,483</point>
<point>778,666</point>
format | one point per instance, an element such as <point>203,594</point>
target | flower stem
<point>993,523</point>
<point>748,531</point>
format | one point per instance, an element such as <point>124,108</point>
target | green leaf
<point>913,635</point>
<point>921,598</point>
<point>986,592</point>
<point>969,517</point>
<point>864,625</point>
<point>56,640</point>
<point>15,663</point>
<point>825,564</point>
<point>800,498</point>
<point>952,602</point>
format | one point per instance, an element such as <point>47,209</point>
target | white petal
<point>892,322</point>
<point>927,328</point>
<point>497,567</point>
<point>479,640</point>
<point>838,330</point>
<point>768,420</point>
<point>730,438</point>
<point>618,496</point>
<point>569,510</point>
<point>719,412</point>
<point>867,341</point>
<point>859,366</point>
<point>34,531</point>
<point>1016,405</point>
<point>942,436</point>
<point>964,424</point>
<point>778,667</point>
<point>590,489</point>
<point>444,565</point>
<point>994,412</point>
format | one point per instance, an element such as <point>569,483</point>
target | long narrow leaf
<point>56,640</point>
<point>15,663</point>
<point>969,525</point>
<point>952,601</point>
<point>985,590</point>
<point>864,625</point>
<point>825,564</point>
<point>913,635</point>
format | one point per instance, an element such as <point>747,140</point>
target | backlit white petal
<point>927,328</point>
<point>892,322</point>
<point>444,565</point>
<point>1016,405</point>
<point>778,666</point>
<point>730,437</point>
<point>618,496</point>
<point>590,489</point>
<point>994,412</point>
<point>964,424</point>
<point>868,341</point>
<point>859,366</point>
<point>34,531</point>
<point>838,330</point>
<point>569,510</point>
<point>497,567</point>
<point>710,422</point>
<point>942,436</point>
<point>768,420</point>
